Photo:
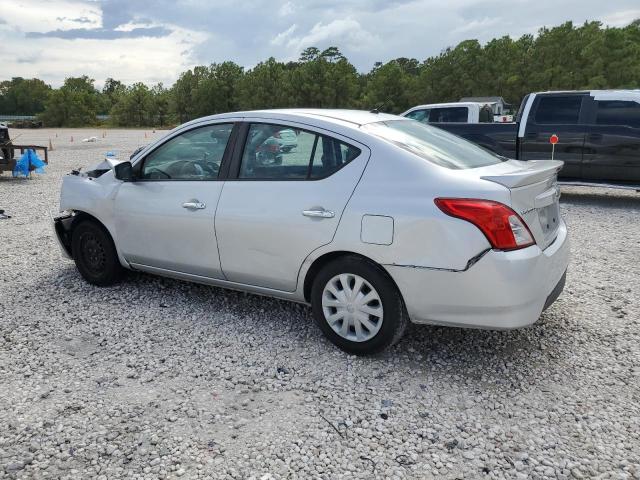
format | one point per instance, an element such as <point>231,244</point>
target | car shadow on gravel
<point>498,356</point>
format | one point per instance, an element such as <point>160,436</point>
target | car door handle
<point>194,205</point>
<point>318,213</point>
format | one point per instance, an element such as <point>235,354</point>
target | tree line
<point>566,57</point>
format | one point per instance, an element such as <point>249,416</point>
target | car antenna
<point>377,108</point>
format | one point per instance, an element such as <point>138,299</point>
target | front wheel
<point>95,254</point>
<point>357,306</point>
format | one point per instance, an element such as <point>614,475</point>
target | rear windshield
<point>433,144</point>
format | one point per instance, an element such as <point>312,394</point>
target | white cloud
<point>38,16</point>
<point>282,37</point>
<point>286,9</point>
<point>478,25</point>
<point>620,19</point>
<point>156,40</point>
<point>342,33</point>
<point>128,59</point>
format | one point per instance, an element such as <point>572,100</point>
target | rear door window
<point>558,110</point>
<point>276,152</point>
<point>618,112</point>
<point>449,115</point>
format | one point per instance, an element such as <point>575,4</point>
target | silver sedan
<point>374,220</point>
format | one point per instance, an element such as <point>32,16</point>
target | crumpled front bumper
<point>62,233</point>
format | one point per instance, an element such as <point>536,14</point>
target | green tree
<point>74,104</point>
<point>20,96</point>
<point>111,93</point>
<point>322,81</point>
<point>264,86</point>
<point>389,88</point>
<point>133,107</point>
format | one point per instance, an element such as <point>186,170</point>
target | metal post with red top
<point>553,139</point>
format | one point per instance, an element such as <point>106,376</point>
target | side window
<point>330,156</point>
<point>558,110</point>
<point>193,155</point>
<point>618,112</point>
<point>449,115</point>
<point>419,115</point>
<point>275,152</point>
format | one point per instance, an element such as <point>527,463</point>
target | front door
<point>165,218</point>
<point>281,204</point>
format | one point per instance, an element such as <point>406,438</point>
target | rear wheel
<point>95,254</point>
<point>357,306</point>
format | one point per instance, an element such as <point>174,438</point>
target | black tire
<point>95,254</point>
<point>7,155</point>
<point>394,318</point>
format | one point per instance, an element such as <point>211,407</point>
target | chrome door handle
<point>194,205</point>
<point>318,213</point>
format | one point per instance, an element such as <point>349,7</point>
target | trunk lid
<point>535,194</point>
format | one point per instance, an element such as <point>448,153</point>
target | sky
<point>155,40</point>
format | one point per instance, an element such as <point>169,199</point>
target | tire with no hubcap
<point>357,306</point>
<point>95,254</point>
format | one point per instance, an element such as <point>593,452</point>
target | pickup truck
<point>598,133</point>
<point>456,112</point>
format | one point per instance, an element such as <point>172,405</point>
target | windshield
<point>433,144</point>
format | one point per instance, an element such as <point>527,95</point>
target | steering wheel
<point>155,172</point>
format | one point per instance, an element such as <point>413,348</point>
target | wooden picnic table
<point>9,164</point>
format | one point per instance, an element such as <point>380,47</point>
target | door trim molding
<point>269,292</point>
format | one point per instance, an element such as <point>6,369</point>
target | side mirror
<point>124,171</point>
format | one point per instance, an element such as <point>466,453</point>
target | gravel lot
<point>157,378</point>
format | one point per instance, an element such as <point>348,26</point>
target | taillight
<point>503,227</point>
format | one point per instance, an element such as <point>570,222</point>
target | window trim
<point>582,112</point>
<point>241,141</point>
<point>139,163</point>
<point>596,106</point>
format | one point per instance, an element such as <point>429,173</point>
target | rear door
<point>612,144</point>
<point>277,208</point>
<point>559,114</point>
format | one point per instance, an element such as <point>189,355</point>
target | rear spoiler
<point>533,171</point>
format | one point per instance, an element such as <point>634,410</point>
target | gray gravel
<point>157,378</point>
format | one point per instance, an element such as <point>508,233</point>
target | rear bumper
<point>503,290</point>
